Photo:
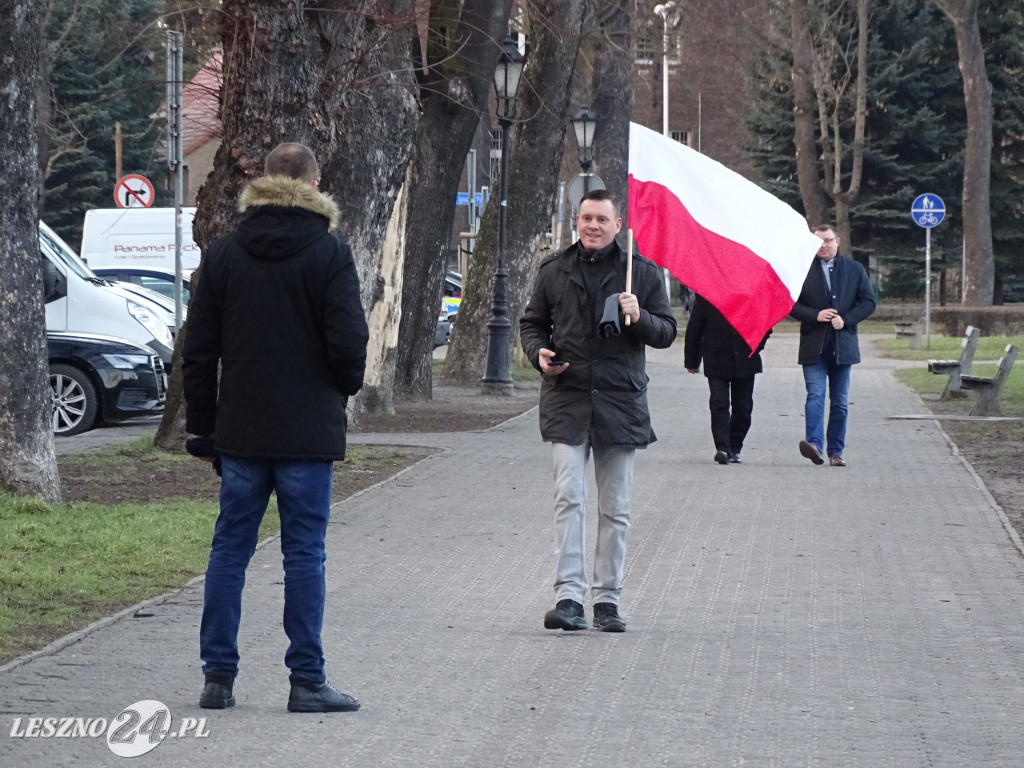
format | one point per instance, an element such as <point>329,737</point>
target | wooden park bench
<point>957,368</point>
<point>989,389</point>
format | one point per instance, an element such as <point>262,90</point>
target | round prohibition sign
<point>134,191</point>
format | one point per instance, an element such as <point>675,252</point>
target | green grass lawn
<point>947,348</point>
<point>67,565</point>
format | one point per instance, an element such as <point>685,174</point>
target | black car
<point>154,278</point>
<point>97,379</point>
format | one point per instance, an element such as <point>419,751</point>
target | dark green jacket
<point>604,389</point>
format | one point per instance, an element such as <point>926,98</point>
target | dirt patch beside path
<point>453,409</point>
<point>996,451</point>
<point>144,476</point>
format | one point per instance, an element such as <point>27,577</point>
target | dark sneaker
<point>734,458</point>
<point>567,615</point>
<point>217,691</point>
<point>307,696</point>
<point>606,618</point>
<point>722,457</point>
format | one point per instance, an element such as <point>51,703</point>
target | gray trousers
<point>613,469</point>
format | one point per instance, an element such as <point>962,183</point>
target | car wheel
<point>75,404</point>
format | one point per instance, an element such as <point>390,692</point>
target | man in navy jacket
<point>836,295</point>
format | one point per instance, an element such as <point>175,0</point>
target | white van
<point>137,237</point>
<point>77,301</point>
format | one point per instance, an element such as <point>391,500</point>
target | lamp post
<point>498,376</point>
<point>584,124</point>
<point>662,10</point>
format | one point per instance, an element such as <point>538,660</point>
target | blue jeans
<point>837,377</point>
<point>304,503</point>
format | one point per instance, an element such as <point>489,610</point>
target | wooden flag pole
<point>629,265</point>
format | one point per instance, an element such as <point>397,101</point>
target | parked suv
<point>96,379</point>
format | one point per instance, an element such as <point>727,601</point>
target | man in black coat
<point>836,295</point>
<point>730,370</point>
<point>277,310</point>
<point>594,396</point>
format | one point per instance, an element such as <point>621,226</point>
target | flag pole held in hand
<point>629,265</point>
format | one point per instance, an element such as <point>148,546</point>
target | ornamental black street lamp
<point>584,124</point>
<point>498,376</point>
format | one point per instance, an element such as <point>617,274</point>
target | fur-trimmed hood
<point>283,216</point>
<point>289,193</point>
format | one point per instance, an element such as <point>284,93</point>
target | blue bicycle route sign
<point>928,210</point>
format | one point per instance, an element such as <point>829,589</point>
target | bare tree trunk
<point>612,98</point>
<point>979,280</point>
<point>28,465</point>
<point>461,52</point>
<point>335,76</point>
<point>832,73</point>
<point>532,187</point>
<point>843,199</point>
<point>804,107</point>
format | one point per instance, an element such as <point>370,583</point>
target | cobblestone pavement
<point>780,614</point>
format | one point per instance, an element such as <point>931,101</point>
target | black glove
<point>611,320</point>
<point>202,447</point>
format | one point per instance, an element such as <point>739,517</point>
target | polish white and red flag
<point>739,247</point>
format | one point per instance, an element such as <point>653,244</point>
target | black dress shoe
<point>308,696</point>
<point>809,451</point>
<point>567,615</point>
<point>217,692</point>
<point>722,457</point>
<point>734,458</point>
<point>606,618</point>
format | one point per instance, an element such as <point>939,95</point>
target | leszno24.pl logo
<point>135,730</point>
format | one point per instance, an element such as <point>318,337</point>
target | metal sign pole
<point>928,288</point>
<point>928,211</point>
<point>175,153</point>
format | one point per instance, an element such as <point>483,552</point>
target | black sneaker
<point>722,457</point>
<point>217,691</point>
<point>307,696</point>
<point>567,615</point>
<point>606,618</point>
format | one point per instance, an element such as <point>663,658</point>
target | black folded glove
<point>611,320</point>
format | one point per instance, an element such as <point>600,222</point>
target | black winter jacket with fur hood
<point>277,305</point>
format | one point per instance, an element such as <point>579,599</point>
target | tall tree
<point>28,465</point>
<point>837,66</point>
<point>808,171</point>
<point>336,77</point>
<point>824,68</point>
<point>99,59</point>
<point>535,159</point>
<point>612,96</point>
<point>979,280</point>
<point>1002,29</point>
<point>459,52</point>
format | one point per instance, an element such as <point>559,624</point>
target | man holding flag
<point>594,398</point>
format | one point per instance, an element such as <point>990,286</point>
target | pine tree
<point>104,66</point>
<point>916,128</point>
